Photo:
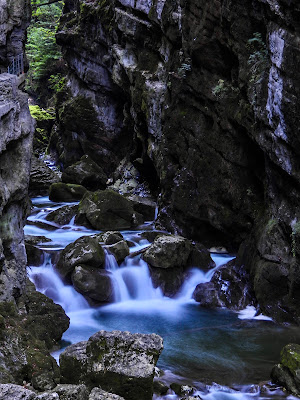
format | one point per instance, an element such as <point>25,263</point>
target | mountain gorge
<point>202,100</point>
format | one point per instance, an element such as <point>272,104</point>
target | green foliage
<point>41,49</point>
<point>40,114</point>
<point>57,82</point>
<point>258,59</point>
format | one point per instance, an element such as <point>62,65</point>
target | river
<point>231,353</point>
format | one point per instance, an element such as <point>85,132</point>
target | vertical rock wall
<point>203,97</point>
<point>16,130</point>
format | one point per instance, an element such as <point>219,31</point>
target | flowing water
<point>200,345</point>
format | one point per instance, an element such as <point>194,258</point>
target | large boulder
<point>106,210</point>
<point>120,250</point>
<point>168,252</point>
<point>95,284</point>
<point>71,392</point>
<point>86,173</point>
<point>85,250</point>
<point>287,373</point>
<point>120,362</point>
<point>66,192</point>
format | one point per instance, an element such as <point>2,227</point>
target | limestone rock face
<point>15,392</point>
<point>204,96</point>
<point>117,361</point>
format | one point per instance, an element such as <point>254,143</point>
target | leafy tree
<point>42,51</point>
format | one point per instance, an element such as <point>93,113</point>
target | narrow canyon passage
<point>201,346</point>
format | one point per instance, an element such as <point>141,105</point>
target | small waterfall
<point>47,281</point>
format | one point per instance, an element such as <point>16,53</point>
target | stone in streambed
<point>71,392</point>
<point>116,361</point>
<point>168,252</point>
<point>35,256</point>
<point>120,250</point>
<point>66,192</point>
<point>85,250</point>
<point>229,287</point>
<point>94,284</point>
<point>106,210</point>
<point>99,394</point>
<point>287,373</point>
<point>110,237</point>
<point>63,215</point>
<point>86,173</point>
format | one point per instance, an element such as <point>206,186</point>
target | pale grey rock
<point>99,394</point>
<point>9,391</point>
<point>116,361</point>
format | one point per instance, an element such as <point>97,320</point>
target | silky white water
<point>200,345</point>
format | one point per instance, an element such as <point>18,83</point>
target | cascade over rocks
<point>85,250</point>
<point>169,257</point>
<point>229,287</point>
<point>106,210</point>
<point>63,215</point>
<point>202,98</point>
<point>117,361</point>
<point>93,283</point>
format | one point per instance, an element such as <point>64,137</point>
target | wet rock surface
<point>85,250</point>
<point>229,287</point>
<point>106,210</point>
<point>41,177</point>
<point>115,360</point>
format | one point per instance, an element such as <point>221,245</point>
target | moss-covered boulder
<point>66,192</point>
<point>63,215</point>
<point>86,173</point>
<point>287,373</point>
<point>93,283</point>
<point>42,311</point>
<point>119,362</point>
<point>85,250</point>
<point>105,210</point>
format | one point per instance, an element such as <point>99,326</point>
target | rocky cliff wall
<point>16,130</point>
<point>203,97</point>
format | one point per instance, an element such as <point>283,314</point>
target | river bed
<point>234,350</point>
